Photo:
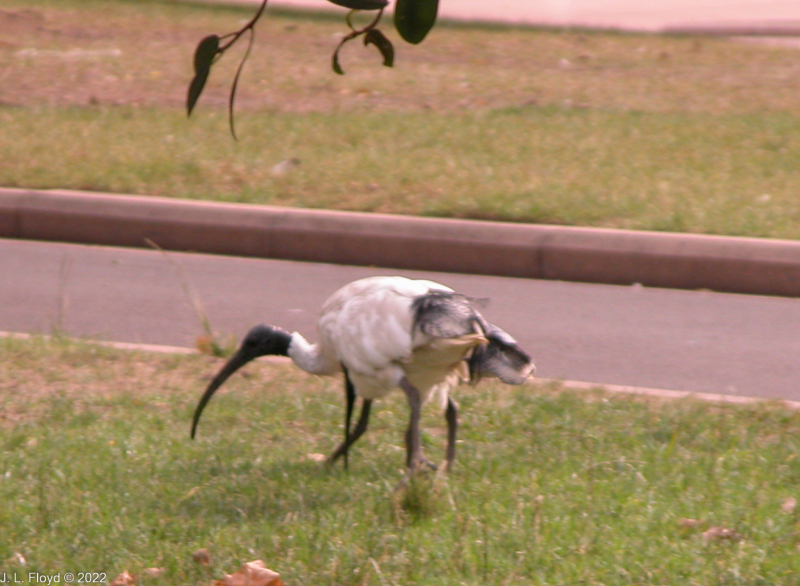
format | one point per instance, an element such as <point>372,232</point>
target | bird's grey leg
<point>350,399</point>
<point>413,442</point>
<point>350,394</point>
<point>451,414</point>
<point>361,427</point>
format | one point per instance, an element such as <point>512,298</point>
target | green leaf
<point>205,53</point>
<point>361,4</point>
<point>336,67</point>
<point>203,58</point>
<point>413,19</point>
<point>195,89</point>
<point>377,38</point>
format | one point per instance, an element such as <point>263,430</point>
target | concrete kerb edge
<point>683,261</point>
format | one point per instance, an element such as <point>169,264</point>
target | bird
<point>391,332</point>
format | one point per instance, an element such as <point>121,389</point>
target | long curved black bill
<point>235,363</point>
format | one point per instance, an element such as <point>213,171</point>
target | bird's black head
<point>265,340</point>
<point>502,357</point>
<point>261,340</point>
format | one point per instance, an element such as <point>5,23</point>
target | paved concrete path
<point>657,338</point>
<point>738,16</point>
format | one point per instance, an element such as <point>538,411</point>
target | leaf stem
<point>236,83</point>
<point>352,35</point>
<point>249,26</point>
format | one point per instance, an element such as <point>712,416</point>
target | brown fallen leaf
<point>316,457</point>
<point>688,523</point>
<point>202,557</point>
<point>154,572</point>
<point>18,558</point>
<point>124,579</point>
<point>251,574</point>
<point>285,166</point>
<point>720,533</point>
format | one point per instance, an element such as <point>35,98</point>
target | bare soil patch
<point>88,53</point>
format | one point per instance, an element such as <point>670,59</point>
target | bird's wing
<point>382,328</point>
<point>369,322</point>
<point>501,357</point>
<point>444,314</point>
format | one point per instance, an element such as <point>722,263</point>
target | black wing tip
<point>445,314</point>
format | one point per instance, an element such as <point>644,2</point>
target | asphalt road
<point>634,336</point>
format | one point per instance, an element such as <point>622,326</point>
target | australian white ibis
<point>389,332</point>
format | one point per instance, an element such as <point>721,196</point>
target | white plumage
<point>386,333</point>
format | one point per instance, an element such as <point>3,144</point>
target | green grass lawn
<point>619,130</point>
<point>97,473</point>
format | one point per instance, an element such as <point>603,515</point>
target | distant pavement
<point>733,16</point>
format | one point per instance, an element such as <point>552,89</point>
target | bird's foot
<point>421,463</point>
<point>424,462</point>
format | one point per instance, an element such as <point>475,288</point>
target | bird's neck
<point>310,357</point>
